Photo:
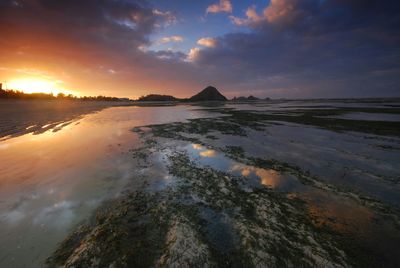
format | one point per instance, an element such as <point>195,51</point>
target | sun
<point>36,85</point>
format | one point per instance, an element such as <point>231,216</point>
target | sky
<point>270,48</point>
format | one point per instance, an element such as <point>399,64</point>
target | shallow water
<point>340,213</point>
<point>52,181</point>
<point>369,117</point>
<point>364,163</point>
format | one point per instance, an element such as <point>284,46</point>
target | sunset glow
<point>36,85</point>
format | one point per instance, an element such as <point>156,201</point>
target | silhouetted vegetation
<point>208,94</point>
<point>156,97</point>
<point>242,98</point>
<point>15,94</point>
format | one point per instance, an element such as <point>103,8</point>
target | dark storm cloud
<point>103,21</point>
<point>316,48</point>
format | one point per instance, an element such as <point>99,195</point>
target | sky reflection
<point>210,157</point>
<point>53,180</point>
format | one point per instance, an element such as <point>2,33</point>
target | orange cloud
<point>222,6</point>
<point>251,18</point>
<point>277,12</point>
<point>208,153</point>
<point>207,42</point>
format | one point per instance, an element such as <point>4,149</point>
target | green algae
<point>129,233</point>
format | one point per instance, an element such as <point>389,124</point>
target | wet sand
<point>19,117</point>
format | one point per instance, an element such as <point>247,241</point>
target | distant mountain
<point>208,94</point>
<point>249,98</point>
<point>156,97</point>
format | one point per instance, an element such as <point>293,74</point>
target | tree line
<point>16,94</point>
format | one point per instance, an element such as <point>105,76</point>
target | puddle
<point>256,176</point>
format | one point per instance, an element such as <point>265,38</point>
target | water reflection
<point>219,161</point>
<point>208,153</point>
<point>197,146</point>
<point>52,181</point>
<point>270,178</point>
<point>322,206</point>
<point>337,213</point>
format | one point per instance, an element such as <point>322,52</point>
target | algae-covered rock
<point>130,233</point>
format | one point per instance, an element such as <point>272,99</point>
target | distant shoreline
<point>209,94</point>
<point>186,101</point>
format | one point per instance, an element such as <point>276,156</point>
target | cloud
<point>168,39</point>
<point>168,17</point>
<point>207,42</point>
<point>222,6</point>
<point>281,9</point>
<point>306,48</point>
<point>104,23</point>
<point>170,55</point>
<point>252,18</point>
<point>278,12</point>
<point>193,54</point>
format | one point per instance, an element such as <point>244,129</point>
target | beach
<point>26,116</point>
